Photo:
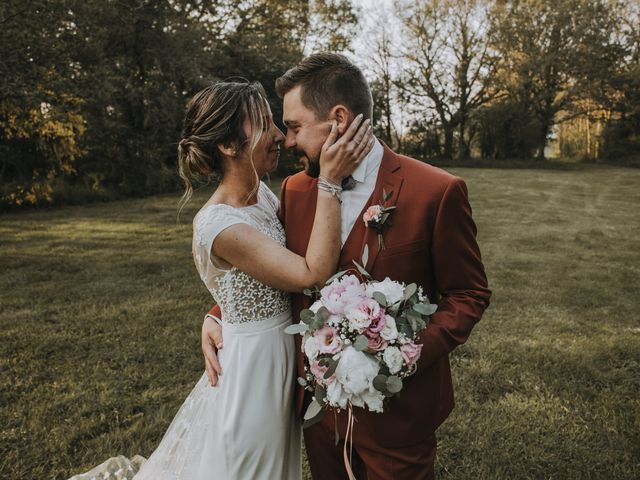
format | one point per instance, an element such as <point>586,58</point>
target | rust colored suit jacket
<point>431,242</point>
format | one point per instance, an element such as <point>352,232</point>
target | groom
<point>429,241</point>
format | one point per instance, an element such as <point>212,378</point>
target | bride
<point>244,427</point>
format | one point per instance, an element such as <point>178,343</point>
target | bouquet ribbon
<point>348,440</point>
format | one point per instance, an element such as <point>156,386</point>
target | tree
<point>549,49</point>
<point>448,63</point>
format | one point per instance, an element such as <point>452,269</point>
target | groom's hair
<point>327,80</point>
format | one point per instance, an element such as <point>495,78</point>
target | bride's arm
<point>272,264</point>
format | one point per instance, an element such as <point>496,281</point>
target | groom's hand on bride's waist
<point>212,342</point>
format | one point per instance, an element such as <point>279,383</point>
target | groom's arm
<point>211,342</point>
<point>459,276</point>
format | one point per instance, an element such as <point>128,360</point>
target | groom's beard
<point>312,168</point>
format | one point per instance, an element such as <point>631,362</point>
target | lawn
<point>102,307</point>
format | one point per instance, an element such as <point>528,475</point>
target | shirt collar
<point>370,163</point>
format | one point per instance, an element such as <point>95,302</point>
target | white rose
<point>336,396</point>
<point>390,330</point>
<point>311,348</point>
<point>393,291</point>
<point>373,398</point>
<point>358,320</point>
<point>393,358</point>
<point>356,371</point>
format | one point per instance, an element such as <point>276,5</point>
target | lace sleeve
<point>207,225</point>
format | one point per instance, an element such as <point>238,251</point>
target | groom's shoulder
<point>298,182</point>
<point>418,171</point>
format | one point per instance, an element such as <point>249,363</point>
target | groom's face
<point>305,132</point>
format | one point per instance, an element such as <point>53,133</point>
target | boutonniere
<point>377,217</point>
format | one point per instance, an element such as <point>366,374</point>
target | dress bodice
<point>241,297</point>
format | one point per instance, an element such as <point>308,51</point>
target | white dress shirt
<point>353,201</point>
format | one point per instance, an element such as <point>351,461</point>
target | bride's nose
<point>279,136</point>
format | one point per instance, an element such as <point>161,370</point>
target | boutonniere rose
<point>377,216</point>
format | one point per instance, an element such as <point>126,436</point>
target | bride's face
<point>267,152</point>
<point>305,133</point>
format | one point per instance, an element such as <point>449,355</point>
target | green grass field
<point>102,307</point>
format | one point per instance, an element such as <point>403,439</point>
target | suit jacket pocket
<point>404,248</point>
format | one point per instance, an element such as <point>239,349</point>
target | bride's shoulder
<point>212,213</point>
<point>268,193</point>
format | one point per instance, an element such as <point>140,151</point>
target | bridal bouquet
<point>360,340</point>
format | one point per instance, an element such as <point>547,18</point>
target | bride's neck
<point>238,187</point>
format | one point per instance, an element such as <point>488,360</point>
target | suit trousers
<point>370,460</point>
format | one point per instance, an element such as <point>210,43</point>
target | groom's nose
<point>290,139</point>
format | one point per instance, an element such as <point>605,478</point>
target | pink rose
<point>377,324</point>
<point>343,294</point>
<point>377,343</point>
<point>318,372</point>
<point>371,308</point>
<point>328,340</point>
<point>410,352</point>
<point>372,213</point>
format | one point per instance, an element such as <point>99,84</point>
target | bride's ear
<point>227,149</point>
<point>342,116</point>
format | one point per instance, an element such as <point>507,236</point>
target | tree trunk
<point>448,142</point>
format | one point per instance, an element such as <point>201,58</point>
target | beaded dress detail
<point>241,297</point>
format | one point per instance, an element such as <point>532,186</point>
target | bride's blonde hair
<point>214,117</point>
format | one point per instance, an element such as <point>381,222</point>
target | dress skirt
<point>245,428</point>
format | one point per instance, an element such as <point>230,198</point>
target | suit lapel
<point>388,182</point>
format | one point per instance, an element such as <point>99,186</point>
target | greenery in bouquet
<point>360,340</point>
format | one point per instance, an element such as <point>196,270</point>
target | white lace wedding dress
<point>246,427</point>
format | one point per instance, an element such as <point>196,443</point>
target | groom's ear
<point>342,116</point>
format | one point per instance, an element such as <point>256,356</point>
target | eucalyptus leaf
<point>320,394</point>
<point>380,383</point>
<point>307,316</point>
<point>361,343</point>
<point>413,324</point>
<point>316,324</point>
<point>410,290</point>
<point>394,384</point>
<point>323,314</point>
<point>325,361</point>
<point>380,298</point>
<point>365,255</point>
<point>425,309</point>
<point>296,328</point>
<point>384,217</point>
<point>308,292</point>
<point>361,269</point>
<point>331,370</point>
<point>314,409</point>
<point>302,382</point>
<point>313,415</point>
<point>318,418</point>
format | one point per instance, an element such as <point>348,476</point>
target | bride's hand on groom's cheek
<point>211,342</point>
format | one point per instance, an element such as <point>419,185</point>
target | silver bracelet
<point>328,186</point>
<point>214,318</point>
